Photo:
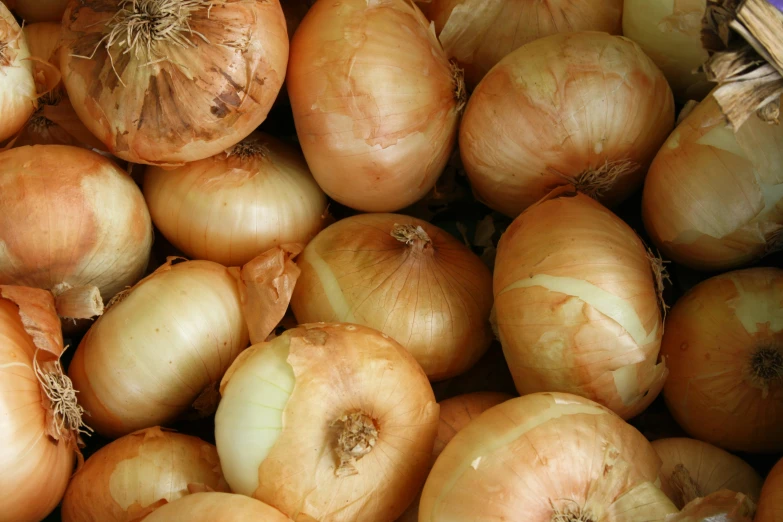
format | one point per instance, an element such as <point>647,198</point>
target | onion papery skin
<point>43,39</point>
<point>714,336</point>
<point>479,33</point>
<point>70,216</point>
<point>721,506</point>
<point>433,298</point>
<point>217,507</point>
<point>151,355</point>
<point>137,473</point>
<point>34,11</point>
<point>279,424</point>
<point>175,103</point>
<point>713,199</point>
<point>770,508</point>
<point>544,455</point>
<point>18,95</point>
<point>374,102</point>
<point>231,207</point>
<point>558,109</point>
<point>576,305</point>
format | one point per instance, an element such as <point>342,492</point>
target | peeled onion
<point>231,207</point>
<point>34,11</point>
<point>375,101</point>
<point>577,305</point>
<point>770,508</point>
<point>586,108</point>
<point>724,349</point>
<point>173,81</point>
<point>713,199</point>
<point>722,506</point>
<point>405,278</point>
<point>18,94</point>
<point>217,507</point>
<point>550,457</point>
<point>327,422</point>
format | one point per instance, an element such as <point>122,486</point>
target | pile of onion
<point>217,507</point>
<point>577,305</point>
<point>33,11</point>
<point>770,508</point>
<point>18,93</point>
<point>41,420</point>
<point>328,422</point>
<point>231,207</point>
<point>586,108</point>
<point>479,33</point>
<point>405,278</point>
<point>713,199</point>
<point>72,223</point>
<point>724,349</point>
<point>553,457</point>
<point>173,81</point>
<point>375,101</point>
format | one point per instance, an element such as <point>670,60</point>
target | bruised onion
<point>217,507</point>
<point>33,11</point>
<point>586,108</point>
<point>18,94</point>
<point>770,508</point>
<point>327,422</point>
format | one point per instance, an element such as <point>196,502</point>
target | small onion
<point>231,207</point>
<point>770,508</point>
<point>375,101</point>
<point>172,81</point>
<point>584,108</point>
<point>713,199</point>
<point>33,11</point>
<point>327,422</point>
<point>217,507</point>
<point>724,349</point>
<point>577,306</point>
<point>405,278</point>
<point>18,94</point>
<point>550,457</point>
<point>721,506</point>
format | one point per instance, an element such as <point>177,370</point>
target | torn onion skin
<point>577,307</point>
<point>583,108</point>
<point>721,506</point>
<point>770,508</point>
<point>713,198</point>
<point>34,11</point>
<point>551,456</point>
<point>217,507</point>
<point>189,88</point>
<point>328,422</point>
<point>406,278</point>
<point>18,95</point>
<point>724,349</point>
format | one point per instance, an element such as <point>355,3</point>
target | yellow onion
<point>405,278</point>
<point>231,207</point>
<point>40,418</point>
<point>375,101</point>
<point>551,457</point>
<point>584,108</point>
<point>134,475</point>
<point>770,508</point>
<point>721,506</point>
<point>479,33</point>
<point>33,11</point>
<point>173,81</point>
<point>713,199</point>
<point>693,469</point>
<point>72,222</point>
<point>43,39</point>
<point>217,507</point>
<point>724,349</point>
<point>577,305</point>
<point>18,94</point>
<point>328,422</point>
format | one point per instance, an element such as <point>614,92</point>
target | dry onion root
<point>770,508</point>
<point>216,507</point>
<point>18,94</point>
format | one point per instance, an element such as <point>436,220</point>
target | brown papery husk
<point>217,507</point>
<point>721,506</point>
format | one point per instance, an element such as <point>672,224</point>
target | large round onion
<point>18,94</point>
<point>713,199</point>
<point>173,81</point>
<point>584,108</point>
<point>404,277</point>
<point>724,348</point>
<point>72,222</point>
<point>577,307</point>
<point>134,475</point>
<point>231,207</point>
<point>33,11</point>
<point>770,507</point>
<point>375,101</point>
<point>479,33</point>
<point>327,422</point>
<point>550,456</point>
<point>217,507</point>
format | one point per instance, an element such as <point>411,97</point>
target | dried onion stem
<point>357,438</point>
<point>411,235</point>
<point>598,181</point>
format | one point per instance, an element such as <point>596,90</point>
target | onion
<point>72,222</point>
<point>233,206</point>
<point>375,101</point>
<point>576,305</point>
<point>18,95</point>
<point>722,506</point>
<point>173,81</point>
<point>584,108</point>
<point>40,418</point>
<point>770,507</point>
<point>479,33</point>
<point>327,422</point>
<point>550,456</point>
<point>216,507</point>
<point>693,469</point>
<point>134,475</point>
<point>723,345</point>
<point>405,278</point>
<point>43,39</point>
<point>34,11</point>
<point>713,199</point>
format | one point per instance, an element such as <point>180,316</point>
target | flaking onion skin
<point>770,508</point>
<point>217,507</point>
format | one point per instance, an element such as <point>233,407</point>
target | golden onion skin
<point>770,508</point>
<point>217,507</point>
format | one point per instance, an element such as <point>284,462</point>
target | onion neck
<point>685,488</point>
<point>248,149</point>
<point>596,182</point>
<point>766,367</point>
<point>81,302</point>
<point>571,512</point>
<point>413,236</point>
<point>357,436</point>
